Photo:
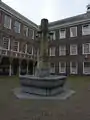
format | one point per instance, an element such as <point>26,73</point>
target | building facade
<point>69,47</point>
<point>17,36</point>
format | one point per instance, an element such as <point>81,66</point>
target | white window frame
<point>15,27</point>
<point>52,69</point>
<point>53,36</point>
<point>87,30</point>
<point>62,52</point>
<point>64,68</point>
<point>31,51</point>
<point>17,46</point>
<point>7,25</point>
<point>8,43</point>
<point>60,34</point>
<point>26,31</point>
<point>71,68</point>
<point>71,35</point>
<point>83,45</point>
<point>26,49</point>
<point>33,35</point>
<point>50,51</point>
<point>76,49</point>
<point>86,73</point>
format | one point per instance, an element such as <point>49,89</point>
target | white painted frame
<point>75,49</point>
<point>61,68</point>
<point>60,34</point>
<point>71,31</point>
<point>72,68</point>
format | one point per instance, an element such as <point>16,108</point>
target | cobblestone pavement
<point>77,107</point>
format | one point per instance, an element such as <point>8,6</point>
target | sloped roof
<point>18,15</point>
<point>77,18</point>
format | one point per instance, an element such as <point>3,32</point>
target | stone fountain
<point>42,83</point>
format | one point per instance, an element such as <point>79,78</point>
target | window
<point>86,48</point>
<point>86,67</point>
<point>7,22</point>
<point>25,30</point>
<point>17,27</point>
<point>86,29</point>
<point>52,68</point>
<point>73,68</point>
<point>73,31</point>
<point>6,43</point>
<point>62,33</point>
<point>62,67</point>
<point>62,50</point>
<point>29,49</point>
<point>52,51</point>
<point>16,46</point>
<point>73,49</point>
<point>33,34</point>
<point>53,37</point>
<point>24,49</point>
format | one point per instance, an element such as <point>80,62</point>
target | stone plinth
<point>44,86</point>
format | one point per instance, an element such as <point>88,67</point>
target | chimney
<point>88,8</point>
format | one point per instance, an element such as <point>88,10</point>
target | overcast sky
<point>54,10</point>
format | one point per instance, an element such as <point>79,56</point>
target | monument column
<point>10,66</point>
<point>19,68</point>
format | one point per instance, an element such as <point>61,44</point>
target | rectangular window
<point>7,22</point>
<point>6,43</point>
<point>73,49</point>
<point>73,31</point>
<point>16,46</point>
<point>25,30</point>
<point>29,49</point>
<point>73,68</point>
<point>24,48</point>
<point>52,68</point>
<point>62,50</point>
<point>17,27</point>
<point>33,34</point>
<point>86,48</point>
<point>62,33</point>
<point>62,67</point>
<point>86,29</point>
<point>52,51</point>
<point>86,67</point>
<point>53,36</point>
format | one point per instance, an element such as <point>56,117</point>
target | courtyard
<point>77,107</point>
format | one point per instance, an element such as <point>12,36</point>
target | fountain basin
<point>44,86</point>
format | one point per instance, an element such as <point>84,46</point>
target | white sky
<point>53,10</point>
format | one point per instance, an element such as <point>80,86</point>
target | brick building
<point>69,47</point>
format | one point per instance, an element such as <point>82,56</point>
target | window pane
<point>62,33</point>
<point>25,30</point>
<point>16,45</point>
<point>5,43</point>
<point>62,50</point>
<point>17,27</point>
<point>86,29</point>
<point>7,22</point>
<point>73,49</point>
<point>86,64</point>
<point>52,51</point>
<point>73,31</point>
<point>86,48</point>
